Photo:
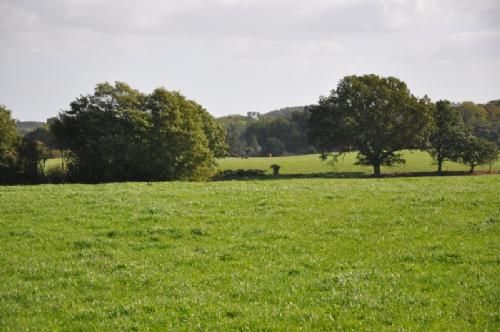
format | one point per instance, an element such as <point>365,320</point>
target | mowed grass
<point>312,254</point>
<point>416,162</point>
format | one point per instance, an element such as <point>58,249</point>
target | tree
<point>473,115</point>
<point>44,135</point>
<point>32,157</point>
<point>477,151</point>
<point>215,132</point>
<point>482,120</point>
<point>9,140</point>
<point>235,126</point>
<point>447,133</point>
<point>491,131</point>
<point>181,146</point>
<point>121,134</point>
<point>274,146</point>
<point>253,147</point>
<point>288,125</point>
<point>374,115</point>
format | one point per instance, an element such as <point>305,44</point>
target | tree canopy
<point>448,131</point>
<point>120,134</point>
<point>477,151</point>
<point>9,140</point>
<point>278,132</point>
<point>373,115</point>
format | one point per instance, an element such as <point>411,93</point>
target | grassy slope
<point>416,161</point>
<point>412,253</point>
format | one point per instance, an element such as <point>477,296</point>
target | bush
<point>56,175</point>
<point>239,174</point>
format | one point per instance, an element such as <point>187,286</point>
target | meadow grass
<point>312,254</point>
<point>53,163</point>
<point>416,162</point>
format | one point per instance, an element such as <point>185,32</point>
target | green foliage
<point>376,116</point>
<point>477,151</point>
<point>235,126</point>
<point>482,120</point>
<point>21,159</point>
<point>473,114</point>
<point>25,127</point>
<point>9,140</point>
<point>55,174</point>
<point>278,255</point>
<point>239,174</point>
<point>32,157</point>
<point>277,132</point>
<point>491,130</point>
<point>448,132</point>
<point>120,134</point>
<point>43,135</point>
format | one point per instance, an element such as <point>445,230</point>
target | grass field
<point>313,254</point>
<point>416,162</point>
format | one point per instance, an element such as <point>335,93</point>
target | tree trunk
<point>376,170</point>
<point>472,168</point>
<point>440,167</point>
<point>62,160</point>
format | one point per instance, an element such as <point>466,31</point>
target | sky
<point>236,56</point>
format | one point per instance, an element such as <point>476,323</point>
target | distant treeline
<point>284,131</point>
<point>121,134</point>
<point>277,133</point>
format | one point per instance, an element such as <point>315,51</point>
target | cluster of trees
<point>120,134</point>
<point>285,131</point>
<point>379,117</point>
<point>482,120</point>
<point>276,133</point>
<point>22,159</point>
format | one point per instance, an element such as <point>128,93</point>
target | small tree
<point>448,131</point>
<point>477,151</point>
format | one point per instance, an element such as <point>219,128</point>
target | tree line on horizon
<point>284,132</point>
<point>121,134</point>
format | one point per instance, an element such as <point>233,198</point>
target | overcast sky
<point>235,56</point>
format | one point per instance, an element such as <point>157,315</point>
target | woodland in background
<point>284,131</point>
<point>121,134</point>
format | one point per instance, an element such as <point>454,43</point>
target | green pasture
<point>53,163</point>
<point>397,254</point>
<point>416,162</point>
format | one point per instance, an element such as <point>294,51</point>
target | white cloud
<point>240,55</point>
<point>13,18</point>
